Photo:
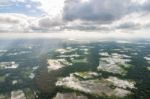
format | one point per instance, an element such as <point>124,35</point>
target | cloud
<point>106,15</point>
<point>67,15</point>
<point>132,22</point>
<point>101,11</point>
<point>11,20</point>
<point>51,8</point>
<point>4,3</point>
<point>26,7</point>
<point>13,23</point>
<point>47,22</point>
<point>129,25</point>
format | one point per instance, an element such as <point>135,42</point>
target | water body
<point>24,68</point>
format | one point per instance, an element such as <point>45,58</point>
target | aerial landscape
<point>74,49</point>
<point>77,69</point>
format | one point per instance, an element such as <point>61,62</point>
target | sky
<point>75,16</point>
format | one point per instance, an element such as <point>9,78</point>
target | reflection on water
<point>54,68</point>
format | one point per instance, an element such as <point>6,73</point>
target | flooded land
<point>74,69</point>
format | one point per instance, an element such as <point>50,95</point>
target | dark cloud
<point>81,27</point>
<point>146,6</point>
<point>47,22</point>
<point>90,15</point>
<point>129,25</point>
<point>102,11</point>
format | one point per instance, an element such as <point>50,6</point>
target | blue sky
<point>87,16</point>
<point>28,7</point>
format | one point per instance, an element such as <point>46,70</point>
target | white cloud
<point>4,3</point>
<point>127,16</point>
<point>53,8</point>
<point>18,0</point>
<point>11,22</point>
<point>134,21</point>
<point>139,1</point>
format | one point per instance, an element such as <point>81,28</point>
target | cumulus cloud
<point>105,14</point>
<point>129,25</point>
<point>47,22</point>
<point>81,15</point>
<point>102,11</point>
<point>52,8</point>
<point>4,3</point>
<point>13,23</point>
